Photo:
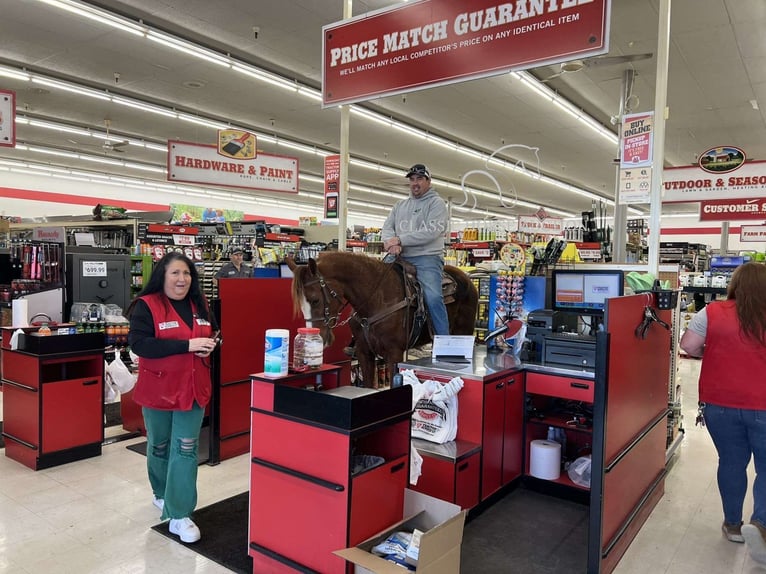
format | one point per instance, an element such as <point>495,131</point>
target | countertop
<point>488,365</point>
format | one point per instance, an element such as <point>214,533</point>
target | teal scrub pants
<point>171,457</point>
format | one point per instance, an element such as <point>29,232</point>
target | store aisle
<point>94,516</point>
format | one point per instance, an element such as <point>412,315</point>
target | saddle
<point>413,292</point>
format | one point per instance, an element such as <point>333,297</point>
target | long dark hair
<point>748,289</point>
<point>156,283</point>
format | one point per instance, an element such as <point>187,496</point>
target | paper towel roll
<point>20,312</point>
<point>545,459</point>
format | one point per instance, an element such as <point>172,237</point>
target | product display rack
<point>140,271</point>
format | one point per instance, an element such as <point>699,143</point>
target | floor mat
<point>533,531</point>
<point>224,533</point>
<point>203,452</point>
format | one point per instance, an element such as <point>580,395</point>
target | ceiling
<point>717,80</point>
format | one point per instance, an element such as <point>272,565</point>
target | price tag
<point>481,252</point>
<point>94,268</point>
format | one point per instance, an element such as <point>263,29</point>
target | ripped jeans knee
<point>160,450</point>
<point>187,447</point>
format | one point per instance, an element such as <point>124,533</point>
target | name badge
<point>203,322</point>
<point>168,325</point>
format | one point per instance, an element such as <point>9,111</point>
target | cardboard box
<point>442,525</point>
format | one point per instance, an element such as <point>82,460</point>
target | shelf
<point>715,290</point>
<point>559,421</point>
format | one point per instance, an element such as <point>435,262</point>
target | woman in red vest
<point>730,336</point>
<point>171,330</point>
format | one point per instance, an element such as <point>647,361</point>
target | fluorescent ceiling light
<point>97,15</point>
<point>74,88</point>
<point>15,74</point>
<point>188,48</point>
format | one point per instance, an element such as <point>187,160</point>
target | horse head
<point>316,299</point>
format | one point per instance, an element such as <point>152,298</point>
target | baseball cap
<point>419,169</point>
<point>236,250</point>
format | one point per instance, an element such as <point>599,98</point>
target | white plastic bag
<point>123,379</point>
<point>110,391</point>
<point>416,465</point>
<point>579,471</point>
<point>434,404</point>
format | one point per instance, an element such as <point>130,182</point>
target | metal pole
<point>660,103</point>
<point>619,235</point>
<point>724,237</point>
<point>345,114</point>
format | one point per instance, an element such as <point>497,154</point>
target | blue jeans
<point>171,457</point>
<point>430,269</point>
<point>739,434</point>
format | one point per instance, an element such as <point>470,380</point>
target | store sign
<point>733,209</point>
<point>197,163</point>
<point>51,234</point>
<point>694,184</point>
<point>7,118</point>
<point>437,42</point>
<point>331,183</point>
<point>635,185</point>
<point>752,233</point>
<point>636,140</point>
<point>547,226</point>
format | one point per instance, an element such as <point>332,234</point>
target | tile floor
<point>94,516</point>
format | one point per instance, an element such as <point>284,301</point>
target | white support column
<point>660,103</point>
<point>345,119</point>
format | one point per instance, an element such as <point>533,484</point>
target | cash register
<point>566,333</point>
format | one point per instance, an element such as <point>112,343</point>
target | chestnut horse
<point>382,315</point>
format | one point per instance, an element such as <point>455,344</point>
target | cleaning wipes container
<point>275,362</point>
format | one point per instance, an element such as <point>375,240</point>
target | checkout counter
<point>508,402</point>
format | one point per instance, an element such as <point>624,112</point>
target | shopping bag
<point>123,379</point>
<point>435,407</point>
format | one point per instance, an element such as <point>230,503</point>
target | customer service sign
<point>436,42</point>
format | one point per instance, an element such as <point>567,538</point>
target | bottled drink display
<point>307,349</point>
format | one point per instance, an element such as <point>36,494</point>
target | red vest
<point>176,381</point>
<point>733,370</point>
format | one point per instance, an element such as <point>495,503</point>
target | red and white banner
<point>7,118</point>
<point>547,226</point>
<point>436,42</point>
<point>681,184</point>
<point>636,140</point>
<point>733,209</point>
<point>752,233</point>
<point>331,183</point>
<point>197,163</point>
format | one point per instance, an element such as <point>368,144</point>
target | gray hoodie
<point>420,224</point>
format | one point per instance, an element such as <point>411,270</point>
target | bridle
<point>331,320</point>
<point>328,294</point>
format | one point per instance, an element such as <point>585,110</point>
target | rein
<point>331,320</point>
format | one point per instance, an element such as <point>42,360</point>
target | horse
<point>383,308</point>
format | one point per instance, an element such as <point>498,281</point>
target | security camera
<point>256,31</point>
<point>116,77</point>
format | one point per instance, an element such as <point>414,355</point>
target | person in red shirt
<point>730,336</point>
<point>171,330</point>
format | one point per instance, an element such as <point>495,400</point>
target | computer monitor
<point>585,291</point>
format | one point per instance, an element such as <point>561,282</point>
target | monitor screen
<point>585,292</point>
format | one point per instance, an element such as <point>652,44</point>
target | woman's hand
<point>202,346</point>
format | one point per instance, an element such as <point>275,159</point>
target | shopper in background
<point>171,330</point>
<point>415,229</point>
<point>730,336</point>
<point>234,268</point>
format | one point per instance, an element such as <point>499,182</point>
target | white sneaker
<point>185,529</point>
<point>159,503</point>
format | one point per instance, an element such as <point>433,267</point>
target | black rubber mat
<point>224,533</point>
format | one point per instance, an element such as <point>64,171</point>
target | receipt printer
<point>544,322</point>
